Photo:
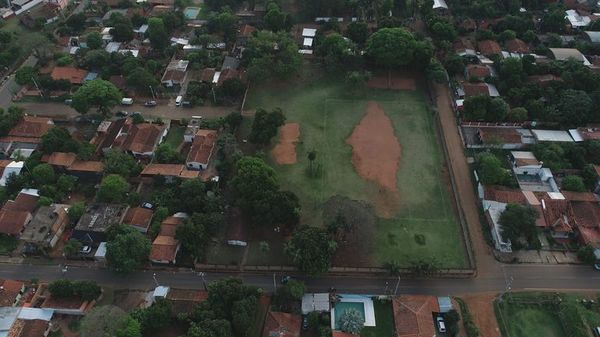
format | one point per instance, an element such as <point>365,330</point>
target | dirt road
<point>486,264</point>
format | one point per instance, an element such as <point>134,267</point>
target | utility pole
<point>155,280</point>
<point>397,285</point>
<point>152,91</point>
<point>274,284</point>
<point>202,274</point>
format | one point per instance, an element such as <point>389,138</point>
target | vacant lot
<point>416,220</point>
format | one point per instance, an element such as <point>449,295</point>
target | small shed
<point>445,303</point>
<point>100,254</point>
<point>318,302</point>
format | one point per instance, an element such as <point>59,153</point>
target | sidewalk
<point>539,257</point>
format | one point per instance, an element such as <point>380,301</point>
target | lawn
<point>523,317</point>
<point>384,320</point>
<point>175,136</point>
<point>327,116</point>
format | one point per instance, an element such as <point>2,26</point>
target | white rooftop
<point>552,136</point>
<point>308,42</point>
<point>439,4</point>
<point>523,155</point>
<point>556,196</point>
<point>14,167</point>
<point>577,20</point>
<point>309,32</point>
<point>112,47</point>
<point>315,302</point>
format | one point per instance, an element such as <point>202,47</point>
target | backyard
<point>384,318</point>
<point>412,212</point>
<point>538,315</point>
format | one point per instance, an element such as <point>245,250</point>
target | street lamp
<point>397,285</point>
<point>155,280</point>
<point>202,274</point>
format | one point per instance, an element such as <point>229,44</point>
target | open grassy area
<point>175,136</point>
<point>384,319</point>
<point>537,315</point>
<point>327,116</point>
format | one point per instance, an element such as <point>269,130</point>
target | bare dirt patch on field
<point>481,307</point>
<point>376,156</point>
<point>394,82</point>
<point>284,153</point>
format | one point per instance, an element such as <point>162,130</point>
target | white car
<point>86,249</point>
<point>441,324</point>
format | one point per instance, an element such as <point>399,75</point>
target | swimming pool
<point>341,307</point>
<point>191,13</point>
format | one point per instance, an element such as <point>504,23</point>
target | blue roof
<point>90,76</point>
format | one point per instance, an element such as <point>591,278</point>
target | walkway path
<point>485,261</point>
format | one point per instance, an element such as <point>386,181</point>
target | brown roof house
<point>165,247</point>
<point>139,218</point>
<point>282,324</point>
<point>478,71</point>
<point>517,46</point>
<point>26,135</point>
<point>413,315</point>
<point>203,147</point>
<point>169,171</point>
<point>73,75</point>
<point>10,292</point>
<point>138,139</point>
<point>16,214</point>
<point>489,48</point>
<point>175,73</point>
<point>46,227</point>
<point>559,216</point>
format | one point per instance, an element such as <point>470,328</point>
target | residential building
<point>139,218</point>
<point>413,315</point>
<point>46,227</point>
<point>552,136</point>
<point>318,302</point>
<point>576,20</point>
<point>165,246</point>
<point>508,138</point>
<point>477,71</point>
<point>11,292</point>
<point>16,214</point>
<point>26,135</point>
<point>203,147</point>
<point>517,46</point>
<point>530,173</point>
<point>8,168</point>
<point>74,75</point>
<point>175,73</point>
<point>479,88</point>
<point>282,324</point>
<point>24,322</point>
<point>489,48</point>
<point>94,222</point>
<point>138,139</point>
<point>185,300</point>
<point>169,171</point>
<point>564,54</point>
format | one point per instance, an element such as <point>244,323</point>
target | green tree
<point>94,40</point>
<point>141,79</point>
<point>243,313</point>
<point>166,154</point>
<point>72,248</point>
<point>265,62</point>
<point>392,47</point>
<point>127,250</point>
<point>255,180</point>
<point>335,51</point>
<point>193,237</point>
<point>113,189</point>
<point>311,249</point>
<point>574,108</point>
<point>103,321</point>
<point>358,32</point>
<point>518,221</point>
<point>96,58</point>
<point>131,328</point>
<point>43,174</point>
<point>351,321</point>
<point>25,75</point>
<point>210,328</point>
<point>497,110</point>
<point>224,22</point>
<point>159,39</point>
<point>9,118</point>
<point>61,289</point>
<point>586,254</point>
<point>122,31</point>
<point>155,317</point>
<point>58,139</point>
<point>275,19</point>
<point>76,211</point>
<point>119,162</point>
<point>436,72</point>
<point>490,170</point>
<point>554,22</point>
<point>265,125</point>
<point>573,183</point>
<point>98,93</point>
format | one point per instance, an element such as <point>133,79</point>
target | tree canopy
<point>265,125</point>
<point>127,249</point>
<point>396,47</point>
<point>113,189</point>
<point>119,162</point>
<point>97,93</point>
<point>264,61</point>
<point>311,249</point>
<point>518,222</point>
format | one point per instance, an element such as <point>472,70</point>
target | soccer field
<point>423,223</point>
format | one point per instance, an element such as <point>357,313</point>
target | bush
<point>420,239</point>
<point>586,255</point>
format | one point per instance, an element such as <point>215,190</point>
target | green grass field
<point>327,117</point>
<point>384,320</point>
<point>175,136</point>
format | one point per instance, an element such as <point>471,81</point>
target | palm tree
<point>312,155</point>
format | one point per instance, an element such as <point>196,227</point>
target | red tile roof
<point>489,47</point>
<point>202,146</point>
<point>13,222</point>
<point>10,291</point>
<point>72,74</point>
<point>503,135</point>
<point>169,226</point>
<point>282,324</point>
<point>167,170</point>
<point>504,194</point>
<point>558,214</point>
<point>246,30</point>
<point>413,315</point>
<point>164,248</point>
<point>477,70</point>
<point>34,328</point>
<point>543,80</point>
<point>579,196</point>
<point>61,159</point>
<point>517,46</point>
<point>32,127</point>
<point>143,137</point>
<point>474,89</point>
<point>207,75</point>
<point>86,166</point>
<point>187,295</point>
<point>587,214</point>
<point>138,217</point>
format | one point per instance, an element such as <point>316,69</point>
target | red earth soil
<point>482,308</point>
<point>376,156</point>
<point>284,153</point>
<point>395,83</point>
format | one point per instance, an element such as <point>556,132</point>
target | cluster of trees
<point>259,196</point>
<point>311,249</point>
<point>265,125</point>
<point>189,196</point>
<point>491,171</point>
<point>230,91</point>
<point>264,62</point>
<point>228,311</point>
<point>392,48</point>
<point>86,290</point>
<point>9,118</point>
<point>100,94</point>
<point>126,249</point>
<point>196,231</point>
<point>482,107</point>
<point>518,223</point>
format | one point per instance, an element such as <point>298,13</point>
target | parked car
<point>285,279</point>
<point>86,250</point>
<point>305,322</point>
<point>147,205</point>
<point>597,266</point>
<point>441,324</point>
<point>127,101</point>
<point>68,101</point>
<point>150,104</point>
<point>122,113</point>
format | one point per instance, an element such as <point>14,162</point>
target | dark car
<point>285,279</point>
<point>304,322</point>
<point>150,104</point>
<point>597,266</point>
<point>122,113</point>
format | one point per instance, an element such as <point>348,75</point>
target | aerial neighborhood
<point>300,168</point>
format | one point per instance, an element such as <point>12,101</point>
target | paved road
<point>10,87</point>
<point>163,111</point>
<point>525,277</point>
